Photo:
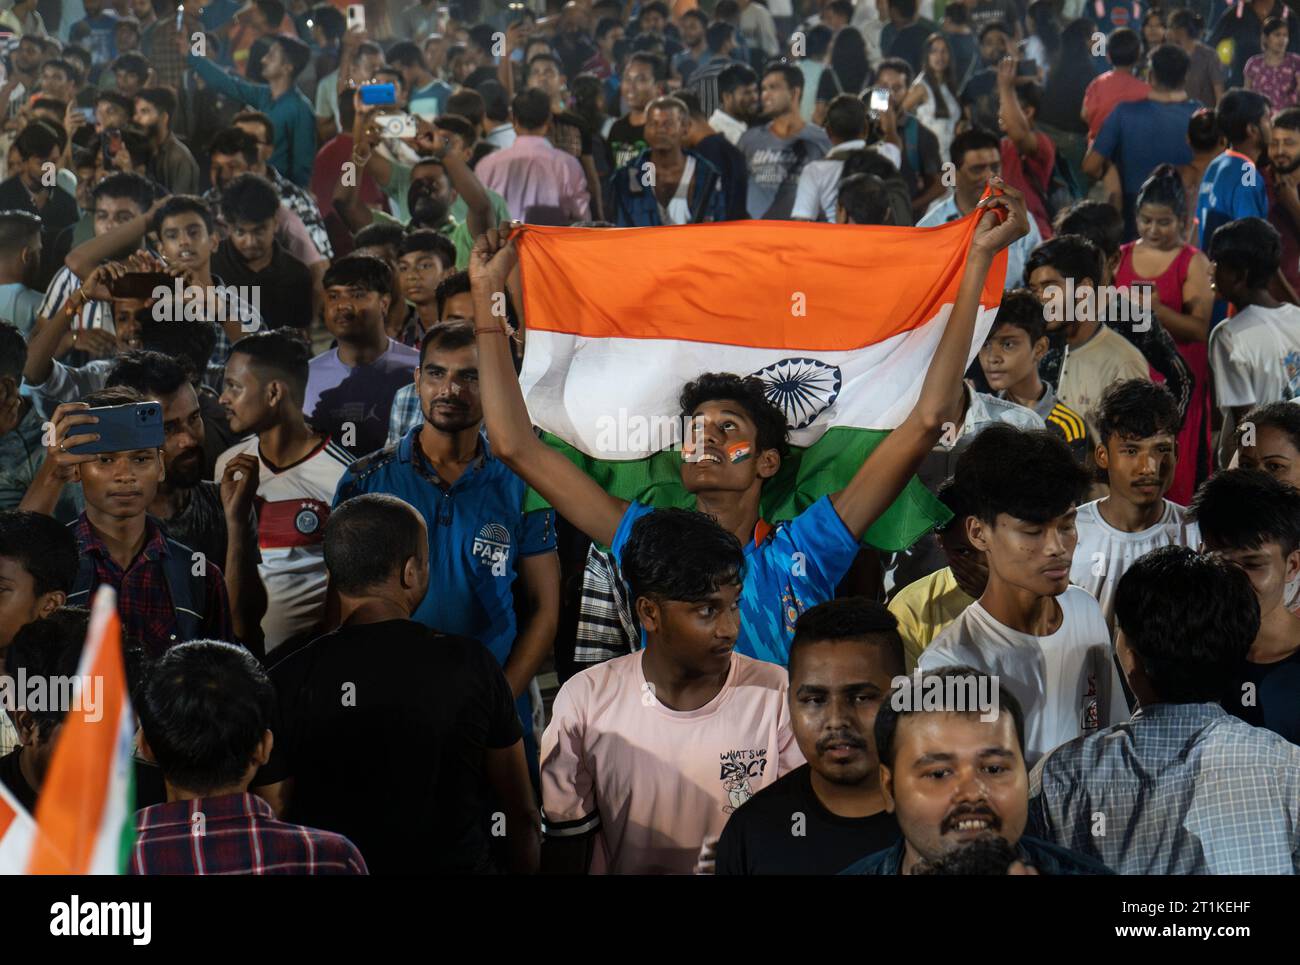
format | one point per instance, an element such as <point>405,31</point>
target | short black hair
<point>152,374</point>
<point>1136,409</point>
<point>1250,245</point>
<point>206,707</point>
<point>1288,119</point>
<point>363,271</point>
<point>1123,47</point>
<point>865,199</point>
<point>793,75</point>
<point>42,546</point>
<point>957,502</point>
<point>117,99</point>
<point>1169,64</point>
<point>1242,509</point>
<point>297,53</point>
<point>1283,416</point>
<point>162,98</point>
<point>18,229</point>
<point>898,65</point>
<point>846,117</point>
<point>656,63</point>
<point>1097,221</point>
<point>281,354</point>
<point>1190,618</point>
<point>46,649</point>
<point>13,352</point>
<point>111,395</point>
<point>71,71</point>
<point>380,236</point>
<point>462,127</point>
<point>330,20</point>
<point>406,53</point>
<point>37,139</point>
<point>261,120</point>
<point>1073,256</point>
<point>249,199</point>
<point>179,204</point>
<point>972,139</point>
<point>131,62</point>
<point>717,34</point>
<point>453,283</point>
<point>126,185</point>
<point>429,239</point>
<point>231,141</point>
<point>531,108</point>
<point>367,539</point>
<point>190,343</point>
<point>735,75</point>
<point>1181,18</point>
<point>1021,308</point>
<point>681,555</point>
<point>1239,108</point>
<point>999,25</point>
<point>1027,474</point>
<point>889,715</point>
<point>850,618</point>
<point>448,336</point>
<point>750,393</point>
<point>488,101</point>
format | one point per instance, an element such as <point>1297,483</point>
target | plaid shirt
<point>1181,789</point>
<point>143,598</point>
<point>606,627</point>
<point>235,834</point>
<point>404,416</point>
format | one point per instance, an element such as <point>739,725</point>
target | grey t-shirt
<point>1202,71</point>
<point>774,164</point>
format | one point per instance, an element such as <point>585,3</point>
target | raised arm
<point>1012,114</point>
<point>574,495</point>
<point>887,470</point>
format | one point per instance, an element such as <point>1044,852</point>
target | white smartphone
<point>879,100</point>
<point>396,125</point>
<point>356,16</point>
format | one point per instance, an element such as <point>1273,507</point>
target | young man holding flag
<point>738,445</point>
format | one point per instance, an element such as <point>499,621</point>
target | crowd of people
<point>282,229</point>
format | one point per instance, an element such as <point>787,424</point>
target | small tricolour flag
<point>84,822</point>
<point>839,321</point>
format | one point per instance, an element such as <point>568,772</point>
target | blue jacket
<point>635,205</point>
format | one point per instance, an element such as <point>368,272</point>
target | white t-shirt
<point>1104,553</point>
<point>1067,683</point>
<point>292,506</point>
<point>1255,357</point>
<point>818,191</point>
<point>657,782</point>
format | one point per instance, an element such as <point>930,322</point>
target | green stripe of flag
<point>805,476</point>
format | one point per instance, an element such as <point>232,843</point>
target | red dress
<point>1194,445</point>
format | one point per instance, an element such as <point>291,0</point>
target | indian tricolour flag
<point>839,321</point>
<point>84,821</point>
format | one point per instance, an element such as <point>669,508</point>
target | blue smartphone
<point>121,428</point>
<point>379,95</point>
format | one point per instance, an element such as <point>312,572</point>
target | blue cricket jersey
<point>1232,188</point>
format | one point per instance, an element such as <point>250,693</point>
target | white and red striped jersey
<point>292,505</point>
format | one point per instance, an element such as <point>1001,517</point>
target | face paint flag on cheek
<point>739,451</point>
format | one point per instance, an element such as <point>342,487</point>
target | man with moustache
<point>843,661</point>
<point>295,471</point>
<point>956,776</point>
<point>172,165</point>
<point>351,386</point>
<point>480,537</point>
<point>777,151</point>
<point>1282,181</point>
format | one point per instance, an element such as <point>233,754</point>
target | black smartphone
<point>121,428</point>
<point>140,284</point>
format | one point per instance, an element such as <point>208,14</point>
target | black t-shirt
<point>1275,696</point>
<point>626,140</point>
<point>384,728</point>
<point>761,837</point>
<point>284,286</point>
<point>11,776</point>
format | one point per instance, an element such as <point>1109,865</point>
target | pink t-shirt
<point>1105,92</point>
<point>657,782</point>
